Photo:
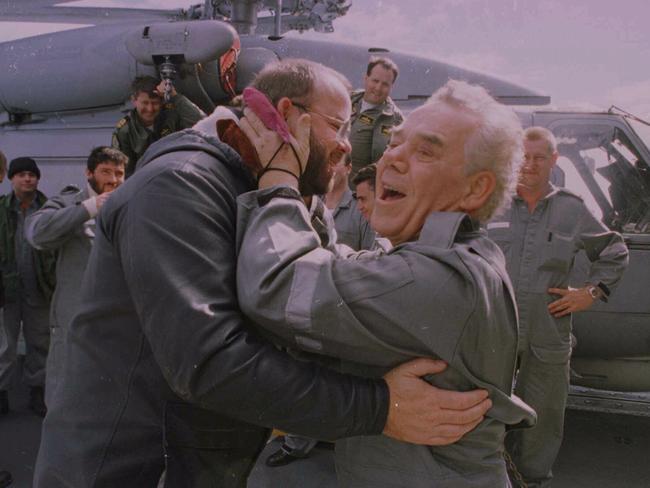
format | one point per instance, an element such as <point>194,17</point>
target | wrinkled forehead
<point>439,121</point>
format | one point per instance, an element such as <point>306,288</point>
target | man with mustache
<point>164,373</point>
<point>540,235</point>
<point>66,224</point>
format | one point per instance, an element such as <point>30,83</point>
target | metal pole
<point>278,18</point>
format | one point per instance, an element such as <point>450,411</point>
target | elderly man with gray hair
<point>442,291</point>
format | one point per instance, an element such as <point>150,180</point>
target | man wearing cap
<point>28,278</point>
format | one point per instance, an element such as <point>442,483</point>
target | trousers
<point>34,321</point>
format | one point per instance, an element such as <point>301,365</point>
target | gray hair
<point>541,134</point>
<point>495,145</point>
<point>295,79</point>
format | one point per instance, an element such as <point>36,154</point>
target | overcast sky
<point>586,53</point>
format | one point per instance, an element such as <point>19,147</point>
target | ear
<point>283,106</point>
<point>480,187</point>
<point>89,173</point>
<point>554,157</point>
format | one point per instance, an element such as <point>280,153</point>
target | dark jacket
<point>159,345</point>
<point>44,261</point>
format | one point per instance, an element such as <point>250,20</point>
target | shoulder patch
<point>122,122</point>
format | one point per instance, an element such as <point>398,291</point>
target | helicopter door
<point>601,165</point>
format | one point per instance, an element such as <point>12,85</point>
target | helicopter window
<point>610,177</point>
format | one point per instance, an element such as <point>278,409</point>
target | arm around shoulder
<point>215,360</point>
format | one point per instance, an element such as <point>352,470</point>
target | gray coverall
<point>63,224</point>
<point>540,249</point>
<point>351,228</point>
<point>446,295</point>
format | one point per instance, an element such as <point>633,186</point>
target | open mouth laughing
<point>391,194</point>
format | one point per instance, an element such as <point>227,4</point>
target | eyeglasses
<point>342,127</point>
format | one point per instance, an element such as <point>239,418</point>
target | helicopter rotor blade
<point>53,11</point>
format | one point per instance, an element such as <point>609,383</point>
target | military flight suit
<point>351,228</point>
<point>370,130</point>
<point>540,248</point>
<point>65,224</point>
<point>133,138</point>
<point>29,280</point>
<point>446,295</point>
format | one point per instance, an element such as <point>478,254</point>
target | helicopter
<point>62,93</point>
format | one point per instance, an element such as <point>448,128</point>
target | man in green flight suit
<point>151,119</point>
<point>373,113</point>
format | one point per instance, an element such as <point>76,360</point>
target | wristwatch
<point>594,292</point>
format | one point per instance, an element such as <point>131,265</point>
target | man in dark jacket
<point>5,476</point>
<point>165,374</point>
<point>28,277</point>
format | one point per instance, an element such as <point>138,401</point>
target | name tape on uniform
<point>498,225</point>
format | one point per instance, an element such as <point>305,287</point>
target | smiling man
<point>151,119</point>
<point>442,291</point>
<point>540,235</point>
<point>66,224</point>
<point>373,113</point>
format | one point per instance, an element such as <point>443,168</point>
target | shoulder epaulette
<point>569,193</point>
<point>357,95</point>
<point>70,190</point>
<point>122,122</point>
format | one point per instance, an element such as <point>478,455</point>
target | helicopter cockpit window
<point>603,167</point>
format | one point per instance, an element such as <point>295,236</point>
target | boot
<point>4,403</point>
<point>5,479</point>
<point>37,401</point>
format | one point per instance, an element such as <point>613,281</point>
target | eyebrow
<point>433,139</point>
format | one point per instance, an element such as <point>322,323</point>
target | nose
<point>344,145</point>
<point>394,157</point>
